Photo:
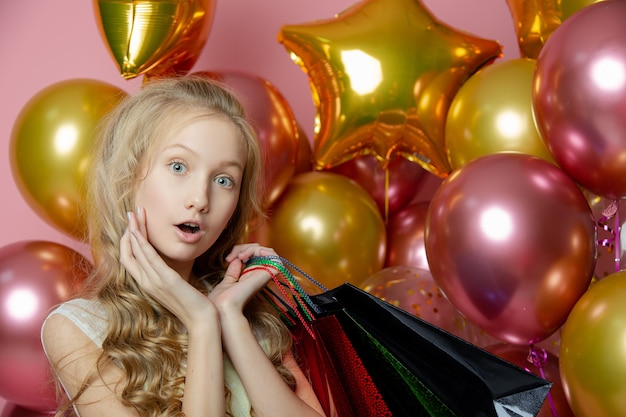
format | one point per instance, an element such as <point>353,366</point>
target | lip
<point>189,237</point>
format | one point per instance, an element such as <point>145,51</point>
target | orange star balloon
<point>155,38</point>
<point>535,20</point>
<point>382,75</point>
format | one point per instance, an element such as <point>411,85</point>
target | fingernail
<point>128,214</point>
<point>138,210</point>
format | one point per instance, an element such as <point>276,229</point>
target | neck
<point>184,269</point>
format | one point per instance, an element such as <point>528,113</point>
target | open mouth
<point>189,228</point>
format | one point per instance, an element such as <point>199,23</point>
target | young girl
<point>169,322</point>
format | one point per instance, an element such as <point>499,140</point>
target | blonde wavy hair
<point>143,337</point>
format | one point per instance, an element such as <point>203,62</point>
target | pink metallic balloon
<point>405,237</point>
<point>392,188</point>
<point>34,276</point>
<point>510,239</point>
<point>543,364</point>
<point>12,410</point>
<point>579,97</point>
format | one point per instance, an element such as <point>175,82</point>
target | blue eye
<point>224,182</point>
<point>178,167</point>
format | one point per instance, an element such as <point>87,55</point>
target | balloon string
<point>386,195</point>
<point>612,243</point>
<point>538,358</point>
<point>617,229</point>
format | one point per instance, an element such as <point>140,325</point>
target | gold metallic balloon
<point>493,112</point>
<point>50,146</point>
<point>593,350</point>
<point>535,20</point>
<point>569,7</point>
<point>330,227</point>
<point>382,75</point>
<point>154,37</point>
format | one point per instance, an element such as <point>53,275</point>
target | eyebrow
<point>188,149</point>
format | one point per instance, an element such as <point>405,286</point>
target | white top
<point>90,318</point>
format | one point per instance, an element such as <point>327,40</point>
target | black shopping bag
<point>467,379</point>
<point>417,368</point>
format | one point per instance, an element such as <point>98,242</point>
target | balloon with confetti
<point>414,290</point>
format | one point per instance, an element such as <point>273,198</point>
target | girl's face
<point>190,188</point>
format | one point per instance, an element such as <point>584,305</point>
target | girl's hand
<point>157,279</point>
<point>246,251</point>
<point>239,284</point>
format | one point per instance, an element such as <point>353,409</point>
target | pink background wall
<point>43,42</point>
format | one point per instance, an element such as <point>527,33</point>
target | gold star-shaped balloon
<point>382,75</point>
<point>535,20</point>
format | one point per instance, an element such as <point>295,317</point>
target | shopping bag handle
<point>297,302</point>
<point>278,262</point>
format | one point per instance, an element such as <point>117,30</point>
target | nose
<point>198,198</point>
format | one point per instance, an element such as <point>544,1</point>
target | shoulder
<point>73,333</point>
<point>74,325</point>
<point>88,316</point>
<point>69,350</point>
<point>74,358</point>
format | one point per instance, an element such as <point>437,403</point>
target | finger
<point>126,254</point>
<point>141,221</point>
<point>144,253</point>
<point>238,249</point>
<point>255,278</point>
<point>132,221</point>
<point>142,250</point>
<point>252,251</point>
<point>139,244</point>
<point>233,272</point>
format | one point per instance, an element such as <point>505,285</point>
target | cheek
<point>149,195</point>
<point>229,209</point>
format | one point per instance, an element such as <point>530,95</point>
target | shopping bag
<point>467,380</point>
<point>413,367</point>
<point>336,371</point>
<point>325,354</point>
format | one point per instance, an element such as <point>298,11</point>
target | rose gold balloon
<point>12,410</point>
<point>330,227</point>
<point>35,276</point>
<point>543,364</point>
<point>510,239</point>
<point>405,237</point>
<point>579,97</point>
<point>392,188</point>
<point>275,125</point>
<point>304,159</point>
<point>154,38</point>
